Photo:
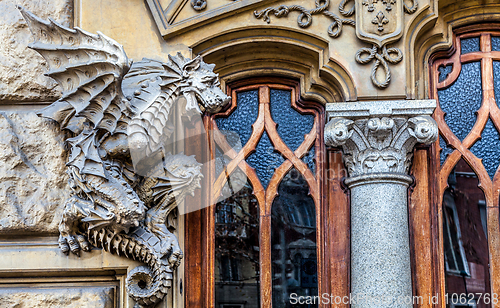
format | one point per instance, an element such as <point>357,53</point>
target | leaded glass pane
<point>265,160</point>
<point>488,148</point>
<point>495,43</point>
<point>310,159</point>
<point>461,100</point>
<point>470,44</point>
<point>496,80</point>
<point>293,238</point>
<point>241,120</point>
<point>444,71</point>
<point>292,126</point>
<point>445,149</point>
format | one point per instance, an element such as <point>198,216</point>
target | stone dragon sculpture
<point>118,114</point>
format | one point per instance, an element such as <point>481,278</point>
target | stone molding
<point>380,136</point>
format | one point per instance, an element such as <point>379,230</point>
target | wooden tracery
<point>461,149</point>
<point>293,159</point>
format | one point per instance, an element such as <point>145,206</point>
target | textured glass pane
<point>444,71</point>
<point>488,148</point>
<point>462,99</point>
<point>237,250</point>
<point>496,80</point>
<point>264,160</point>
<point>241,120</point>
<point>465,241</point>
<point>310,159</point>
<point>470,44</point>
<point>292,126</point>
<point>495,43</point>
<point>445,149</point>
<point>293,239</point>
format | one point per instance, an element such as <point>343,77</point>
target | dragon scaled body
<point>125,189</point>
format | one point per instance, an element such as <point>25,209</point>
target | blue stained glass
<point>292,126</point>
<point>495,43</point>
<point>444,71</point>
<point>265,160</point>
<point>469,44</point>
<point>488,148</point>
<point>241,120</point>
<point>309,159</point>
<point>461,100</point>
<point>496,80</point>
<point>445,149</point>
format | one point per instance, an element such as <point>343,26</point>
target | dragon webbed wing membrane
<point>89,68</point>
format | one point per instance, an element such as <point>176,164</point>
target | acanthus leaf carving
<point>384,144</point>
<point>125,189</point>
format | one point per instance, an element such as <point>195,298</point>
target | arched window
<point>466,85</point>
<point>267,195</point>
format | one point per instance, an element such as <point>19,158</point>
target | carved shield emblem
<point>379,21</point>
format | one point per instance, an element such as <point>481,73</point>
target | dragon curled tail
<point>147,285</point>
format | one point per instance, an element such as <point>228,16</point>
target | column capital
<point>379,136</point>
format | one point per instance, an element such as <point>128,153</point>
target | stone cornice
<point>380,136</point>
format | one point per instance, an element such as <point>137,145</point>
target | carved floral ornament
<point>381,143</point>
<point>117,114</point>
<point>378,22</point>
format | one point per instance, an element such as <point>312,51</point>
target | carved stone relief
<point>377,137</point>
<point>378,22</point>
<point>379,144</point>
<point>118,116</point>
<point>199,5</point>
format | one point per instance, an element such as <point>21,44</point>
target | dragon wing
<point>89,68</point>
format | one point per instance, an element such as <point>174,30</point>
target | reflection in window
<point>293,237</point>
<point>465,240</point>
<point>269,222</point>
<point>237,249</point>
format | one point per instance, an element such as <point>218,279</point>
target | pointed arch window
<point>267,192</point>
<point>466,85</point>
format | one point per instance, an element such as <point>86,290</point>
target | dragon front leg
<point>169,244</point>
<point>69,237</point>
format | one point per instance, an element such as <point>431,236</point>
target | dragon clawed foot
<point>169,245</point>
<point>73,243</point>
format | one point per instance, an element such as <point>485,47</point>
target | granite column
<point>377,139</point>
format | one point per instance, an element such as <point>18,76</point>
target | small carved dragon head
<point>183,172</point>
<point>201,87</point>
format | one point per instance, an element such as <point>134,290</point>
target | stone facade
<point>365,61</point>
<point>21,69</point>
<point>32,173</point>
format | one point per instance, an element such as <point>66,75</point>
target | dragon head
<point>201,87</point>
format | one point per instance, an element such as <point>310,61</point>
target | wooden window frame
<point>425,206</point>
<point>332,212</point>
